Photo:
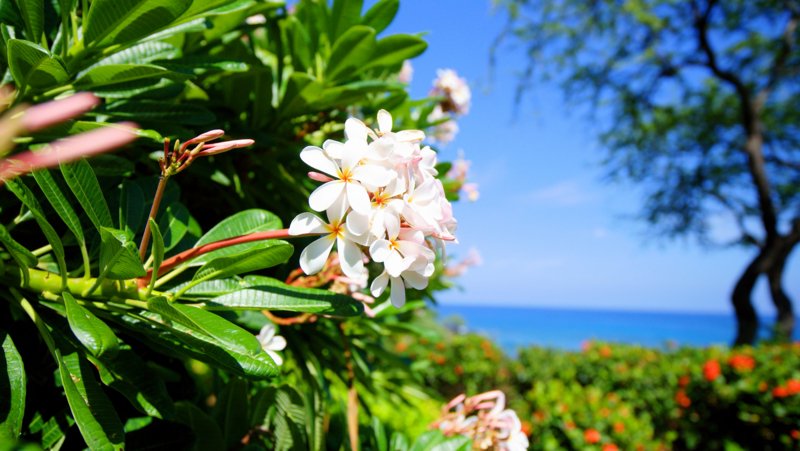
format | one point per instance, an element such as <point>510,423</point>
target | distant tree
<point>699,103</point>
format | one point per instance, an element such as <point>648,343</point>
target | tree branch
<point>778,65</point>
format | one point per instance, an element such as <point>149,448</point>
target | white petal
<point>350,258</point>
<point>395,264</point>
<point>384,121</point>
<point>372,175</point>
<point>411,249</point>
<point>317,159</point>
<point>325,196</point>
<point>306,223</point>
<point>334,149</point>
<point>379,284</point>
<point>379,250</point>
<point>278,343</point>
<point>392,225</point>
<point>357,223</point>
<point>313,257</point>
<point>274,355</point>
<point>357,197</point>
<point>355,130</point>
<point>265,334</point>
<point>410,135</point>
<point>415,280</point>
<point>398,292</point>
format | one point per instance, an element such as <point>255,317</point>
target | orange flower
<point>711,370</point>
<point>610,447</point>
<point>604,412</point>
<point>401,346</point>
<point>459,370</point>
<point>793,386</point>
<point>592,436</point>
<point>684,380</point>
<point>605,351</point>
<point>741,362</point>
<point>439,359</point>
<point>780,392</point>
<point>682,399</point>
<point>440,346</point>
<point>619,427</point>
<point>527,427</point>
<point>795,434</point>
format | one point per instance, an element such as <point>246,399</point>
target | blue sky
<point>550,232</point>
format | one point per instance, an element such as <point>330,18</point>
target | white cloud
<point>564,193</point>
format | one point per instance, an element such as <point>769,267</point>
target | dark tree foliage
<point>699,106</point>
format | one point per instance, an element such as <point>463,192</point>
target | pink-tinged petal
<point>398,295</point>
<point>44,115</point>
<point>358,198</point>
<point>69,149</point>
<point>379,250</point>
<point>314,256</point>
<point>410,135</point>
<point>384,121</point>
<point>317,159</point>
<point>334,149</point>
<point>415,280</point>
<point>415,236</point>
<point>410,249</point>
<point>372,175</point>
<point>357,223</point>
<point>306,223</point>
<point>355,130</point>
<point>379,284</point>
<point>350,258</point>
<point>326,195</point>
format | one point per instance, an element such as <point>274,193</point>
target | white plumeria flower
<point>402,249</point>
<point>416,276</point>
<point>455,90</point>
<point>270,342</point>
<point>314,256</point>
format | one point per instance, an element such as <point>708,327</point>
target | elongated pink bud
<point>319,177</point>
<point>205,137</point>
<point>224,146</point>
<point>39,117</point>
<point>68,149</point>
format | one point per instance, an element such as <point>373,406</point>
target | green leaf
<point>395,49</point>
<point>142,53</point>
<point>13,383</point>
<point>131,207</point>
<point>156,111</point>
<point>96,418</point>
<point>31,65</point>
<point>112,74</point>
<point>120,21</point>
<point>33,15</point>
<point>119,256</point>
<point>174,223</point>
<point>301,90</point>
<point>231,412</point>
<point>381,14</point>
<point>242,223</point>
<point>351,51</point>
<point>234,337</point>
<point>157,252</point>
<point>19,253</point>
<point>344,14</point>
<point>208,437</point>
<point>59,202</point>
<point>91,331</point>
<point>109,165</point>
<point>28,199</point>
<point>270,294</point>
<point>83,183</point>
<point>266,255</point>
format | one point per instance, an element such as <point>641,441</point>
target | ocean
<point>515,327</point>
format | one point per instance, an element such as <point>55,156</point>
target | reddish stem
<point>189,254</point>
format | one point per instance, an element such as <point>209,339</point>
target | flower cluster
<point>381,196</point>
<point>485,420</point>
<point>455,100</point>
<point>458,172</point>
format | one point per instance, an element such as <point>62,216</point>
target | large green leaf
<point>381,14</point>
<point>18,252</point>
<point>142,53</point>
<point>28,199</point>
<point>242,223</point>
<point>222,330</point>
<point>208,436</point>
<point>114,74</point>
<point>395,49</point>
<point>31,65</point>
<point>266,255</point>
<point>301,90</point>
<point>92,332</point>
<point>160,112</point>
<point>121,21</point>
<point>83,183</point>
<point>60,204</point>
<point>352,50</point>
<point>270,294</point>
<point>33,14</point>
<point>93,412</point>
<point>344,14</point>
<point>174,224</point>
<point>131,207</point>
<point>12,390</point>
<point>119,256</point>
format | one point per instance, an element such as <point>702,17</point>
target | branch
<point>778,65</point>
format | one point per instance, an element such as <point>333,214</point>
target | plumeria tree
<point>153,295</point>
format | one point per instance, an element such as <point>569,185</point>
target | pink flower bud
<point>224,146</point>
<point>205,137</point>
<point>47,114</point>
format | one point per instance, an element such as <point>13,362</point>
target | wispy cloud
<point>564,193</point>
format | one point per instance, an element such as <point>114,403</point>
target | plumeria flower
<point>453,89</point>
<point>270,342</point>
<point>416,276</point>
<point>314,256</point>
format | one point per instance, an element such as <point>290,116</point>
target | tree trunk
<point>746,317</point>
<point>784,326</point>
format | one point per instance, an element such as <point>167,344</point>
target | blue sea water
<point>515,327</point>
